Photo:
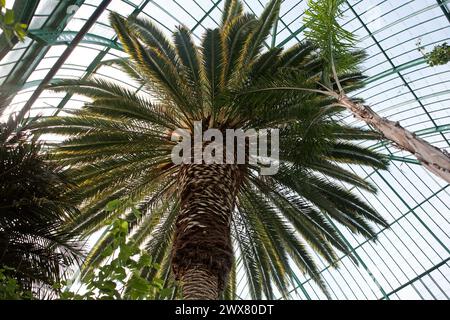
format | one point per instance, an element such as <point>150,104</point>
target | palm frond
<point>255,41</point>
<point>34,208</point>
<point>232,9</point>
<point>212,62</point>
<point>189,56</point>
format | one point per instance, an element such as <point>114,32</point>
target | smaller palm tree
<point>197,216</point>
<point>33,210</point>
<point>336,43</point>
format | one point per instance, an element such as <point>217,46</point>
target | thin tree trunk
<point>202,252</point>
<point>434,159</point>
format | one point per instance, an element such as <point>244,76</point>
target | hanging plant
<point>439,56</point>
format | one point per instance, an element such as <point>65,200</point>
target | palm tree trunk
<point>202,251</point>
<point>434,159</point>
<point>199,283</point>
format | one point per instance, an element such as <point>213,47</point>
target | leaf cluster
<point>9,25</point>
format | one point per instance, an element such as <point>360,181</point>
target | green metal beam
<point>199,22</point>
<point>420,276</point>
<point>398,21</point>
<point>64,56</point>
<point>292,36</point>
<point>389,60</point>
<point>57,20</point>
<point>95,63</point>
<point>444,8</point>
<point>404,159</point>
<point>412,210</point>
<point>397,69</point>
<point>113,44</point>
<point>403,216</point>
<point>52,38</point>
<point>358,257</point>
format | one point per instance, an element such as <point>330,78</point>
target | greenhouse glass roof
<point>411,259</point>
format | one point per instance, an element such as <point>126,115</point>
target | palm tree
<point>322,19</point>
<point>196,216</point>
<point>33,209</point>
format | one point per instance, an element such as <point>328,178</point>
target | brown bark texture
<point>202,252</point>
<point>435,160</point>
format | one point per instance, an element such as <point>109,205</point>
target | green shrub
<point>121,278</point>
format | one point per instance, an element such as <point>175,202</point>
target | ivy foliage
<point>9,25</point>
<point>439,56</point>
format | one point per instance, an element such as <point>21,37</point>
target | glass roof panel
<point>411,259</point>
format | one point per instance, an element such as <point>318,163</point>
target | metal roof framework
<point>411,259</point>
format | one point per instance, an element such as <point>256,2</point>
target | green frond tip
<point>152,36</point>
<point>188,53</point>
<point>261,31</point>
<point>232,9</point>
